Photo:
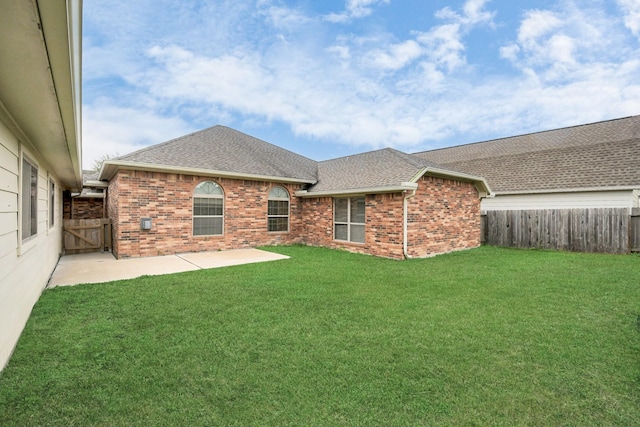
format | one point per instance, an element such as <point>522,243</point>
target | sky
<point>336,77</point>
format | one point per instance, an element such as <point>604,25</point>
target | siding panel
<point>581,200</point>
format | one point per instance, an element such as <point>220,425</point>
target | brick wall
<point>383,226</point>
<point>85,208</point>
<point>444,216</point>
<point>168,200</point>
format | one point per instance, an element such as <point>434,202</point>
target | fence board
<point>605,230</point>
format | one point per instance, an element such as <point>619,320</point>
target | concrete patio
<point>104,267</point>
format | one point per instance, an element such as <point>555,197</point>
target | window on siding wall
<point>208,209</point>
<point>278,210</point>
<point>52,202</point>
<point>29,199</point>
<point>349,219</point>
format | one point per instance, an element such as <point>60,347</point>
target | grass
<point>482,337</point>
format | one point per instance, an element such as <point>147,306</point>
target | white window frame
<point>349,222</point>
<point>278,194</point>
<point>218,196</point>
<point>28,200</point>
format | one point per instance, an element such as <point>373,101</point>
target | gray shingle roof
<point>228,151</point>
<point>603,154</point>
<point>374,169</point>
<point>220,148</point>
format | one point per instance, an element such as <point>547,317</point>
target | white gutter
<point>110,167</point>
<point>95,184</point>
<point>405,225</point>
<point>404,186</point>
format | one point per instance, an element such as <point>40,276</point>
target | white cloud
<point>284,18</point>
<point>537,24</point>
<point>444,43</point>
<point>396,56</point>
<point>444,46</point>
<point>354,9</point>
<point>558,44</point>
<point>631,9</point>
<point>110,129</point>
<point>331,85</point>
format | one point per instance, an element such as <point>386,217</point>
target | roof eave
<point>403,186</point>
<point>41,49</point>
<point>111,167</point>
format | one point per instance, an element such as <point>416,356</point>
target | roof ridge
<point>528,134</point>
<point>413,159</point>
<point>354,155</point>
<point>546,150</point>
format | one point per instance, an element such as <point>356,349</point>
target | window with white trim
<point>278,210</point>
<point>208,209</point>
<point>349,219</point>
<point>29,199</point>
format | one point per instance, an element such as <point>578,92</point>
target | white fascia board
<point>95,184</point>
<point>481,184</point>
<point>404,186</point>
<point>111,167</point>
<point>570,190</point>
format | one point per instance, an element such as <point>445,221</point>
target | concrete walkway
<point>104,267</point>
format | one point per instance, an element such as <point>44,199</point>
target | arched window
<point>278,210</point>
<point>208,209</point>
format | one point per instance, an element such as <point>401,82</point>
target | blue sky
<point>336,77</point>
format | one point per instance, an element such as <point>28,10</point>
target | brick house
<point>593,165</point>
<point>220,189</point>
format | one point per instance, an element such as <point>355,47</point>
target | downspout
<point>405,203</point>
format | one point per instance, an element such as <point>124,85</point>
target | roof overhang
<point>40,80</point>
<point>481,184</point>
<point>403,186</point>
<point>111,167</point>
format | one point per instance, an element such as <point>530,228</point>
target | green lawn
<point>482,337</point>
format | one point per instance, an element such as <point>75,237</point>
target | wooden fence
<point>605,230</point>
<point>86,235</point>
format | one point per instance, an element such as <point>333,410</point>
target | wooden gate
<point>86,235</point>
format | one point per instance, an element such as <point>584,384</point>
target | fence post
<point>483,227</point>
<point>634,235</point>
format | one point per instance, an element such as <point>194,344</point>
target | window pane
<point>278,224</point>
<point>207,206</point>
<point>207,226</point>
<point>341,210</point>
<point>357,210</point>
<point>52,204</point>
<point>341,232</point>
<point>278,207</point>
<point>357,233</point>
<point>29,199</point>
<point>34,200</point>
<point>278,193</point>
<point>209,188</point>
<point>26,199</point>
